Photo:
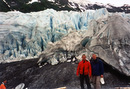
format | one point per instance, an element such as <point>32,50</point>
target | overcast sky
<point>114,2</point>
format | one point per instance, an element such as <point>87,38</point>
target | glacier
<point>56,36</point>
<point>27,34</point>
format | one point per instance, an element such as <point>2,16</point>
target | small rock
<point>68,60</point>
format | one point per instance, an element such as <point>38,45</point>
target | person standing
<point>84,69</point>
<point>2,86</point>
<point>97,71</point>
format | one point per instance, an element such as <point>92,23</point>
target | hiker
<point>2,86</point>
<point>84,69</point>
<point>97,71</point>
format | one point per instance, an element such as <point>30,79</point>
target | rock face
<point>59,5</point>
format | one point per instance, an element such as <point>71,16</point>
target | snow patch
<point>30,2</point>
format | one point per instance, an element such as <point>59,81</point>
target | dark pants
<point>86,77</point>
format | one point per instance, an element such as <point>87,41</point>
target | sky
<point>113,2</point>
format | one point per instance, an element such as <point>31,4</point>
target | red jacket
<point>87,68</point>
<point>2,86</point>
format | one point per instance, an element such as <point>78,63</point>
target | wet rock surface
<point>50,77</point>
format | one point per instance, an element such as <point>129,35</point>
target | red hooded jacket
<point>2,86</point>
<point>87,68</point>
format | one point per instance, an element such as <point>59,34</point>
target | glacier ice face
<point>111,41</point>
<point>26,34</point>
<point>107,37</point>
<point>59,36</point>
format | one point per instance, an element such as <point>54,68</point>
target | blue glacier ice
<point>27,34</point>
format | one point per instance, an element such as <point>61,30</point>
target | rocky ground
<point>49,77</point>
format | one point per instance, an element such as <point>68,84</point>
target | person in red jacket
<point>84,70</point>
<point>2,86</point>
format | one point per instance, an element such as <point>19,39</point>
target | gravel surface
<point>50,77</point>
